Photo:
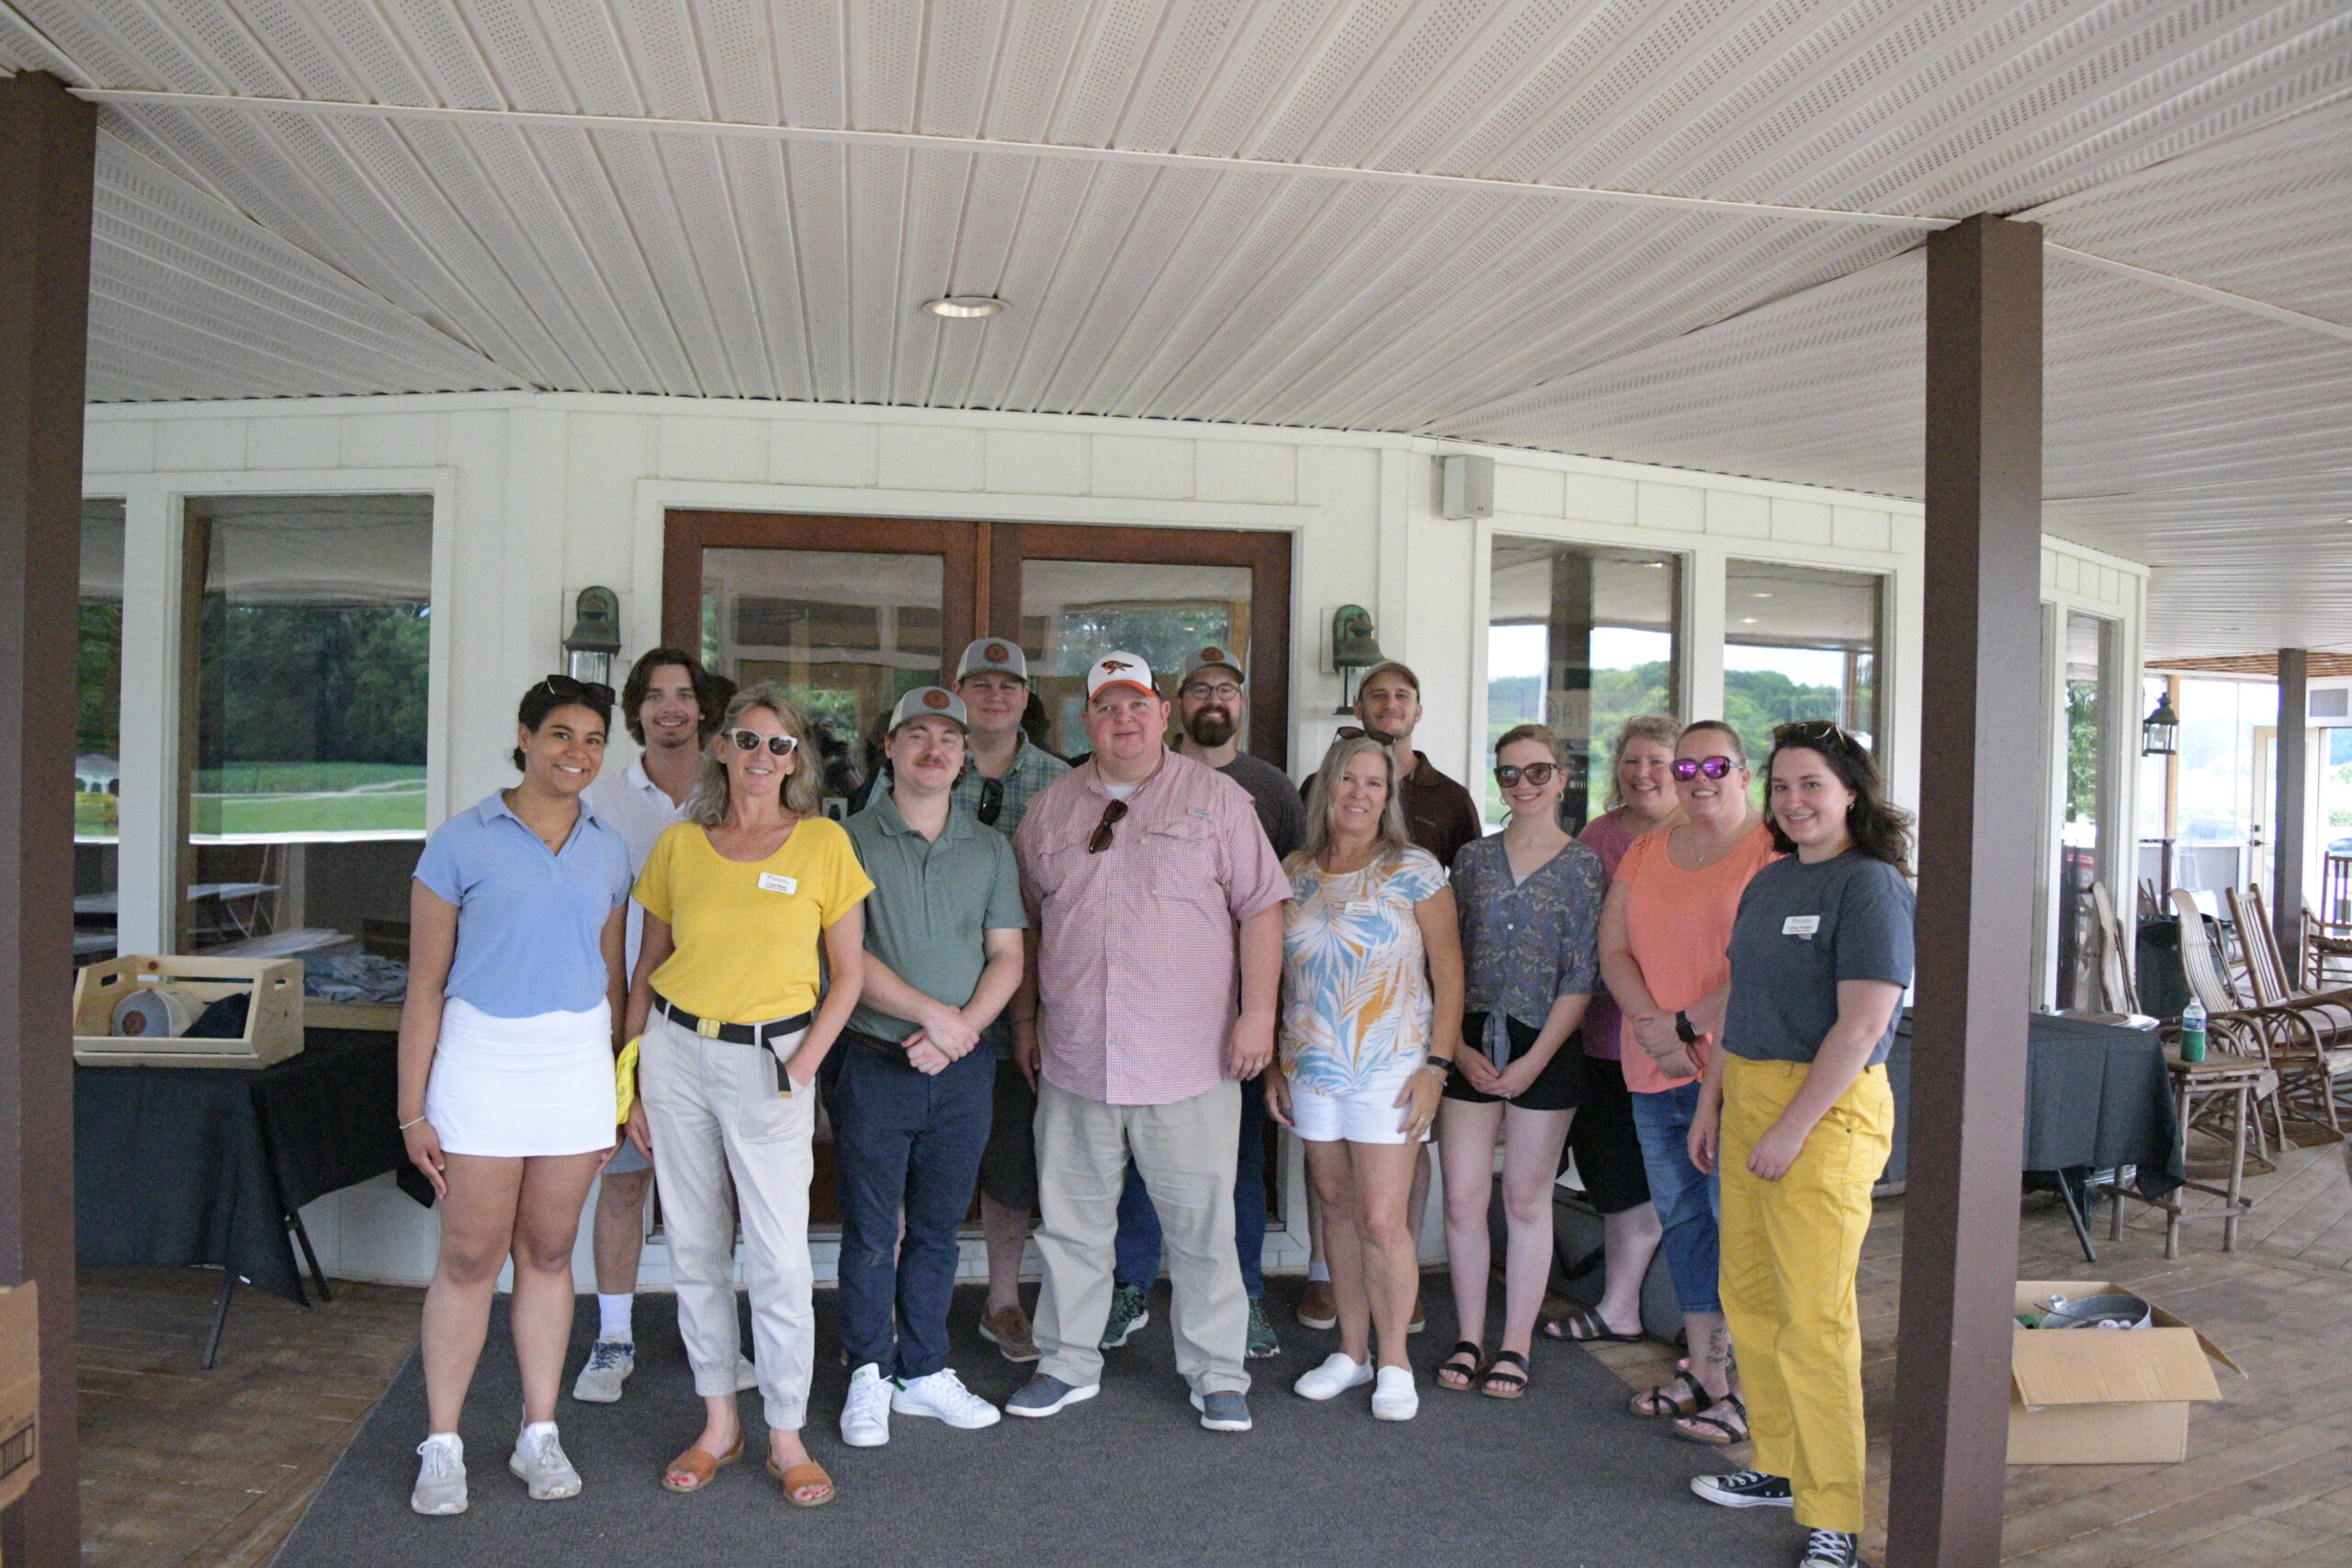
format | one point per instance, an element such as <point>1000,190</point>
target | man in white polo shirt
<point>670,709</point>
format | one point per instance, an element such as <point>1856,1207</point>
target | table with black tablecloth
<point>184,1166</point>
<point>2098,1098</point>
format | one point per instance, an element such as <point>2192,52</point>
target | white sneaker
<point>944,1396</point>
<point>440,1475</point>
<point>610,1362</point>
<point>539,1463</point>
<point>1394,1398</point>
<point>1338,1373</point>
<point>747,1376</point>
<point>866,1419</point>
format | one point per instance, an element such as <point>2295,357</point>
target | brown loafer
<point>700,1465</point>
<point>807,1473</point>
<point>1008,1330</point>
<point>1319,1308</point>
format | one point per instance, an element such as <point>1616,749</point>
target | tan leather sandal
<point>808,1472</point>
<point>698,1465</point>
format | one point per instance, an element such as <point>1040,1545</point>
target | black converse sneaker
<point>1746,1489</point>
<point>1831,1549</point>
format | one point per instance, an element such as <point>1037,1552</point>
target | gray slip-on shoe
<point>1225,1412</point>
<point>1044,1395</point>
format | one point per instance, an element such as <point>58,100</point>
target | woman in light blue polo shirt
<point>506,1101</point>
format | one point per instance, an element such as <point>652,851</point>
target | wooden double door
<point>848,613</point>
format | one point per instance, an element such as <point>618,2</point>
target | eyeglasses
<point>1224,692</point>
<point>570,690</point>
<point>1112,815</point>
<point>1688,768</point>
<point>1537,773</point>
<point>991,801</point>
<point>749,740</point>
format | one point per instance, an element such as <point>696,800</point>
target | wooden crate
<point>273,1024</point>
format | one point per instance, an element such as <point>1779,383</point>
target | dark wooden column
<point>48,143</point>
<point>2287,823</point>
<point>1981,794</point>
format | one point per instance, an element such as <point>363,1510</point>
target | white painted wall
<point>540,495</point>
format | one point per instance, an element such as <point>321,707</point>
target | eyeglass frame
<point>790,747</point>
<point>1716,767</point>
<point>573,689</point>
<point>1528,771</point>
<point>1223,691</point>
<point>1100,839</point>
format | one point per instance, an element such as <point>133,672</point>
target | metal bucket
<point>2099,1312</point>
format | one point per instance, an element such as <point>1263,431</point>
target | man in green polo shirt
<point>912,1105</point>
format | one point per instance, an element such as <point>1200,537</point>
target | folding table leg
<point>2071,1189</point>
<point>220,1318</point>
<point>318,1275</point>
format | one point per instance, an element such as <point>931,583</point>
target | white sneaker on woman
<point>1338,1373</point>
<point>539,1463</point>
<point>440,1475</point>
<point>1394,1397</point>
<point>942,1396</point>
<point>866,1419</point>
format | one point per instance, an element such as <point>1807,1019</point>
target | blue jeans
<point>1688,1203</point>
<point>1138,1249</point>
<point>904,1141</point>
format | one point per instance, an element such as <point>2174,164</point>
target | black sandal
<point>1501,1384</point>
<point>1454,1364</point>
<point>1731,1431</point>
<point>1679,1396</point>
<point>1585,1327</point>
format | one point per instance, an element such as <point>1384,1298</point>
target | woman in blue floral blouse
<point>1530,899</point>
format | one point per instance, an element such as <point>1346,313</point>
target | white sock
<point>1318,1273</point>
<point>612,1317</point>
<point>448,1440</point>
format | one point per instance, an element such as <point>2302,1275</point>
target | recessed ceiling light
<point>1760,596</point>
<point>962,306</point>
<point>1747,620</point>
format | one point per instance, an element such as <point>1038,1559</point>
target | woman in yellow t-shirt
<point>738,899</point>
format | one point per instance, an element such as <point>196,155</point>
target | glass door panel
<point>1072,611</point>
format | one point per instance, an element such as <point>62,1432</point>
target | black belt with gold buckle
<point>733,1034</point>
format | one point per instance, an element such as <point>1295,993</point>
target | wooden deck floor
<point>182,1466</point>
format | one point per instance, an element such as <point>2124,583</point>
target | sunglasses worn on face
<point>749,740</point>
<point>1688,768</point>
<point>569,689</point>
<point>991,801</point>
<point>1537,773</point>
<point>1112,814</point>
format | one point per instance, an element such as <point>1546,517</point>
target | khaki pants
<point>1789,1249</point>
<point>713,1113</point>
<point>1186,1153</point>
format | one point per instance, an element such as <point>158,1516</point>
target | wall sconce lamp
<point>1354,651</point>
<point>595,636</point>
<point>2160,733</point>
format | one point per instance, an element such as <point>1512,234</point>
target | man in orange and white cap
<point>1003,775</point>
<point>1157,903</point>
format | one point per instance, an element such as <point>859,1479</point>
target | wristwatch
<point>1683,1031</point>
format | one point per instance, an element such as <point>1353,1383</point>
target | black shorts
<point>1607,1147</point>
<point>1559,1086</point>
<point>1008,1164</point>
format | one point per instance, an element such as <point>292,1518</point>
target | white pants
<point>514,1087</point>
<point>713,1113</point>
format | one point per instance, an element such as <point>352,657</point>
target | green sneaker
<point>1262,1343</point>
<point>1127,1315</point>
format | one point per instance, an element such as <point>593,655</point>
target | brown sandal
<point>1680,1395</point>
<point>808,1472</point>
<point>701,1464</point>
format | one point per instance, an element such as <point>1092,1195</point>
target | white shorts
<point>515,1087</point>
<point>1370,1115</point>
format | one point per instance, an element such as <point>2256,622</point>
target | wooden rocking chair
<point>2310,1031</point>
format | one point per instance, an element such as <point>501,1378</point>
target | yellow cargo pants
<point>1789,1249</point>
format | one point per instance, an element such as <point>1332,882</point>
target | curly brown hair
<point>1880,828</point>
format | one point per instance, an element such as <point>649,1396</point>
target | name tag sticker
<point>1798,925</point>
<point>1363,906</point>
<point>772,883</point>
<point>1203,812</point>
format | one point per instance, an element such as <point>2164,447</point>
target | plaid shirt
<point>1032,769</point>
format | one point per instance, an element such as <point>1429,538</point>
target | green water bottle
<point>2192,1031</point>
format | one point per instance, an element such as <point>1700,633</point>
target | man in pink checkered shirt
<point>1157,902</point>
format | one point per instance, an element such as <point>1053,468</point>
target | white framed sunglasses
<point>750,740</point>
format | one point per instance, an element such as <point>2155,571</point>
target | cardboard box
<point>19,1391</point>
<point>2104,1395</point>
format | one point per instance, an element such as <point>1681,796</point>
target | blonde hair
<point>804,790</point>
<point>1390,835</point>
<point>1646,726</point>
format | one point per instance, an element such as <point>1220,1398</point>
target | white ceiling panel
<point>1435,215</point>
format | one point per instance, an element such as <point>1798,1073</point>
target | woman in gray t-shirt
<point>1797,1100</point>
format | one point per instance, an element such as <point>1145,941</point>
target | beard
<point>1210,726</point>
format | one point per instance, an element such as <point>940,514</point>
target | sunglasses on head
<point>565,688</point>
<point>1688,768</point>
<point>1815,732</point>
<point>750,740</point>
<point>1358,732</point>
<point>1112,815</point>
<point>1537,773</point>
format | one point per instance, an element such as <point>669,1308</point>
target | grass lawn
<point>308,798</point>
